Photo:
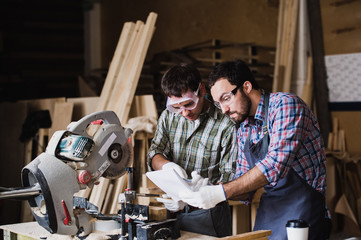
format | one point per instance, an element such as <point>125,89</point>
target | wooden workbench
<point>32,230</point>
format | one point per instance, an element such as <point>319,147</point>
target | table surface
<point>34,230</point>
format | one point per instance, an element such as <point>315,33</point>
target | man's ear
<point>247,87</point>
<point>202,90</point>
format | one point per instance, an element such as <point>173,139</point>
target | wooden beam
<point>307,88</point>
<point>291,46</point>
<point>280,26</point>
<point>116,64</point>
<point>319,68</point>
<point>62,117</point>
<point>124,90</point>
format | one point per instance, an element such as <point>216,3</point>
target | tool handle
<point>80,127</point>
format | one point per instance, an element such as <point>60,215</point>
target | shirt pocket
<point>208,160</point>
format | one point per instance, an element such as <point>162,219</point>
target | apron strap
<point>264,126</point>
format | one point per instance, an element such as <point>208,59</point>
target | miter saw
<point>74,159</point>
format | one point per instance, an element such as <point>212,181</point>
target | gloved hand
<point>170,204</point>
<point>198,181</point>
<point>171,165</point>
<point>206,197</point>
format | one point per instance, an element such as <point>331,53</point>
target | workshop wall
<point>41,48</point>
<point>342,32</point>
<point>181,23</point>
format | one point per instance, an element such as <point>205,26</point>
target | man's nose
<point>185,112</point>
<point>224,108</point>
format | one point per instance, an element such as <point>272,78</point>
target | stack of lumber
<point>117,95</point>
<point>343,195</point>
<point>293,63</point>
<point>336,138</point>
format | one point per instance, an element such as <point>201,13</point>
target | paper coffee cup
<point>297,230</point>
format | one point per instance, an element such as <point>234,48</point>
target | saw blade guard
<point>97,145</point>
<point>111,153</point>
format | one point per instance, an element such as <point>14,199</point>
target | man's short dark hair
<point>179,78</point>
<point>236,72</point>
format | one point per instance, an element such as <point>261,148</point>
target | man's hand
<point>206,197</point>
<point>171,165</point>
<point>170,204</point>
<point>198,181</point>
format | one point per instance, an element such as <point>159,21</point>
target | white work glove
<point>171,165</point>
<point>198,181</point>
<point>206,197</point>
<point>170,204</point>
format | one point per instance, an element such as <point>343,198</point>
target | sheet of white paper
<point>170,182</point>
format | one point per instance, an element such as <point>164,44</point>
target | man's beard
<point>246,104</point>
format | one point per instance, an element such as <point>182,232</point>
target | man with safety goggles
<point>195,139</point>
<point>281,150</point>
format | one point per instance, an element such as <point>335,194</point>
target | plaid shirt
<point>208,144</point>
<point>295,141</point>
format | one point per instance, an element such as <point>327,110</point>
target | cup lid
<point>299,223</point>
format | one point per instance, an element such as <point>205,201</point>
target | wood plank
<point>255,204</point>
<point>43,104</point>
<point>280,27</point>
<point>107,198</point>
<point>307,88</point>
<point>250,235</point>
<point>143,105</point>
<point>157,213</point>
<point>240,217</point>
<point>291,46</point>
<point>33,230</point>
<point>341,140</point>
<point>83,106</point>
<point>115,64</point>
<point>100,191</point>
<point>124,90</point>
<point>319,68</point>
<point>118,94</point>
<point>119,187</point>
<point>331,192</point>
<point>335,127</point>
<point>85,193</point>
<point>120,56</point>
<point>62,117</point>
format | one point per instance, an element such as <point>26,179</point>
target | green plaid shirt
<point>207,145</point>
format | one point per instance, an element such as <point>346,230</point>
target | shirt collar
<point>260,112</point>
<point>212,111</point>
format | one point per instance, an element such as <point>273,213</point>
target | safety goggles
<point>190,97</point>
<point>227,98</point>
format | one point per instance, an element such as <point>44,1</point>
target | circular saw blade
<point>118,166</point>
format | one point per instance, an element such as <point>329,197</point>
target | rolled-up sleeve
<point>160,142</point>
<point>287,131</point>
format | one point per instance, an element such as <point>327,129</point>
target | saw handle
<point>80,127</point>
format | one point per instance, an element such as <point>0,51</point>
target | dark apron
<point>292,198</point>
<point>215,221</point>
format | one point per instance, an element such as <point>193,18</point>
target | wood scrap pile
<point>117,95</point>
<point>343,195</point>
